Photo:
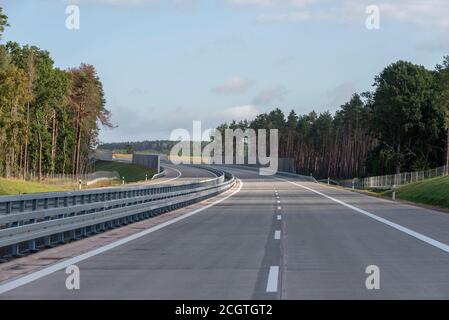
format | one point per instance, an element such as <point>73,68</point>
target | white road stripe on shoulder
<point>417,235</point>
<point>171,179</point>
<point>435,243</point>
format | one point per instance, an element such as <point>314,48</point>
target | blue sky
<point>165,63</point>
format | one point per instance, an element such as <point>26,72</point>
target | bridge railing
<point>28,222</point>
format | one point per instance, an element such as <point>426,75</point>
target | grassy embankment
<point>15,186</point>
<point>434,192</point>
<point>132,173</point>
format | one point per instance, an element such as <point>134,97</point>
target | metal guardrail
<point>41,220</point>
<point>330,181</point>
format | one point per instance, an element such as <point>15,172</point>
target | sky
<point>166,63</point>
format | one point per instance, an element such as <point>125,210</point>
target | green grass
<point>14,187</point>
<point>434,192</point>
<point>131,172</point>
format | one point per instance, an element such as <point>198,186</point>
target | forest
<point>401,125</point>
<point>49,118</point>
<point>155,146</point>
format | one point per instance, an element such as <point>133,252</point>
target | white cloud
<point>268,3</point>
<point>298,16</point>
<point>247,112</point>
<point>269,95</point>
<point>233,86</point>
<point>147,124</point>
<point>176,3</point>
<point>423,12</point>
<point>420,12</point>
<point>111,2</point>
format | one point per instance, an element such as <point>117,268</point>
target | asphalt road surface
<point>181,174</point>
<point>274,238</point>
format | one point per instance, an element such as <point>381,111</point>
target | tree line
<point>401,125</point>
<point>161,146</point>
<point>49,118</point>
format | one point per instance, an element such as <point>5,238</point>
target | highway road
<point>180,174</point>
<point>271,238</point>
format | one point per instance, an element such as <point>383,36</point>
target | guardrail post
<point>32,246</point>
<point>73,235</point>
<point>47,242</point>
<point>8,207</point>
<point>15,250</point>
<point>61,239</point>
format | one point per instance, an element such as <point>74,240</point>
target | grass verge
<point>434,192</point>
<point>131,172</point>
<point>15,186</point>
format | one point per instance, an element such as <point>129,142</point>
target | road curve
<point>277,238</point>
<point>180,174</point>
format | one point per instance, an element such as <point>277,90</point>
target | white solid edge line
<point>419,236</point>
<point>165,181</point>
<point>416,235</point>
<point>277,235</point>
<point>71,261</point>
<point>272,283</point>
